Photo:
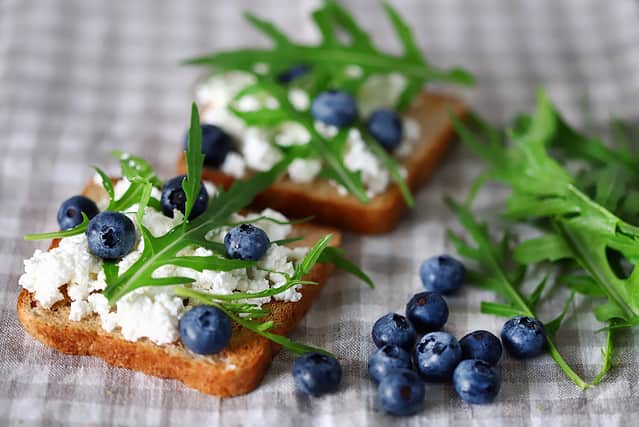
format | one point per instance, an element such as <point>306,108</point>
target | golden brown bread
<point>236,370</point>
<point>327,206</point>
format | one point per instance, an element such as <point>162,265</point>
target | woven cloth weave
<point>81,78</point>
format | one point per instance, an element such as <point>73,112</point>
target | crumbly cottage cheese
<point>256,148</point>
<point>154,312</point>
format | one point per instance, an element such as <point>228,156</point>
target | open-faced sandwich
<point>176,279</point>
<point>363,131</point>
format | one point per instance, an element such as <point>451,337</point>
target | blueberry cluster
<point>413,350</point>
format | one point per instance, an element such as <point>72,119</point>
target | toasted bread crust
<point>236,370</point>
<point>382,213</point>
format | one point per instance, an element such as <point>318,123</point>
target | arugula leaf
<point>78,229</point>
<point>260,328</point>
<point>194,161</point>
<point>106,183</point>
<point>549,247</point>
<point>287,240</point>
<point>335,256</point>
<point>136,167</point>
<point>331,54</point>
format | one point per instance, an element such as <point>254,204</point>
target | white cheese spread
<point>257,148</point>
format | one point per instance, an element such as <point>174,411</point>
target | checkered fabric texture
<point>79,79</point>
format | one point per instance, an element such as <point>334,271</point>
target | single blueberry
<point>316,374</point>
<point>205,329</point>
<point>293,73</point>
<point>110,235</point>
<point>436,355</point>
<point>476,381</point>
<point>481,345</point>
<point>173,197</point>
<point>427,311</point>
<point>523,337</point>
<point>335,108</point>
<point>386,127</point>
<point>395,329</point>
<point>246,242</point>
<point>387,359</point>
<point>443,274</point>
<point>401,393</point>
<point>216,144</point>
<point>70,211</point>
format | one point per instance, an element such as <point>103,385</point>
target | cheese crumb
<point>304,170</point>
<point>234,165</point>
<point>299,99</point>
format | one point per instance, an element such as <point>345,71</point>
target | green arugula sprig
<point>608,173</point>
<point>194,162</point>
<point>332,55</point>
<point>246,314</point>
<point>328,62</point>
<point>78,229</point>
<point>494,273</point>
<point>587,237</point>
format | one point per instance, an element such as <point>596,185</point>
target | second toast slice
<point>322,200</point>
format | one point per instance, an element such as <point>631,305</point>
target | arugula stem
<point>607,355</point>
<point>570,373</point>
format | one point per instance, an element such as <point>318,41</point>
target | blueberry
<point>316,374</point>
<point>427,311</point>
<point>70,212</point>
<point>246,242</point>
<point>401,393</point>
<point>386,127</point>
<point>476,381</point>
<point>394,329</point>
<point>387,359</point>
<point>110,235</point>
<point>436,355</point>
<point>205,329</point>
<point>481,345</point>
<point>216,144</point>
<point>334,108</point>
<point>443,274</point>
<point>293,73</point>
<point>173,197</point>
<point>523,337</point>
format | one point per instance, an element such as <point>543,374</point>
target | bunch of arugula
<point>328,62</point>
<point>588,247</point>
<point>164,250</point>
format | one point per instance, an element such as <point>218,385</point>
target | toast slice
<point>236,370</point>
<point>322,200</point>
